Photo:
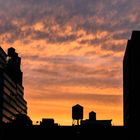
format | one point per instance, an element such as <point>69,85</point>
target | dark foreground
<point>65,132</point>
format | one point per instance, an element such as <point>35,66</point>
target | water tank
<point>92,116</point>
<point>77,112</point>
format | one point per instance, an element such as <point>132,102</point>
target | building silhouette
<point>11,89</point>
<point>131,81</point>
<point>77,115</point>
<point>48,122</point>
<point>92,115</point>
<point>94,123</point>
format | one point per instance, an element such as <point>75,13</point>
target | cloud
<point>91,16</point>
<point>72,71</point>
<point>78,43</point>
<point>96,98</point>
<point>113,47</point>
<point>56,59</point>
<point>52,37</point>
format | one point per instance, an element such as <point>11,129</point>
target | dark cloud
<point>115,48</point>
<point>51,75</point>
<point>93,60</point>
<point>92,16</point>
<point>75,69</point>
<point>53,37</point>
<point>58,59</point>
<point>116,17</point>
<point>96,98</point>
<point>121,35</point>
<point>96,41</point>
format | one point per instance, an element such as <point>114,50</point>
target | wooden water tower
<point>77,114</point>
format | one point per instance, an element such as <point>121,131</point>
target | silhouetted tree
<point>22,120</point>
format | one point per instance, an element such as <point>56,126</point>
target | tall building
<point>131,80</point>
<point>11,89</point>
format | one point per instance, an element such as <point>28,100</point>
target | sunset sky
<point>72,52</point>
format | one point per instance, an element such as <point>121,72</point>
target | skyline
<point>70,55</point>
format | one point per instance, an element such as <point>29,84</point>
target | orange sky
<point>71,53</point>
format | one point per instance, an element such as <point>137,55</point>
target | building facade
<point>131,81</point>
<point>11,89</point>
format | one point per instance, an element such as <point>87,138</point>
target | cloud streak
<point>96,98</point>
